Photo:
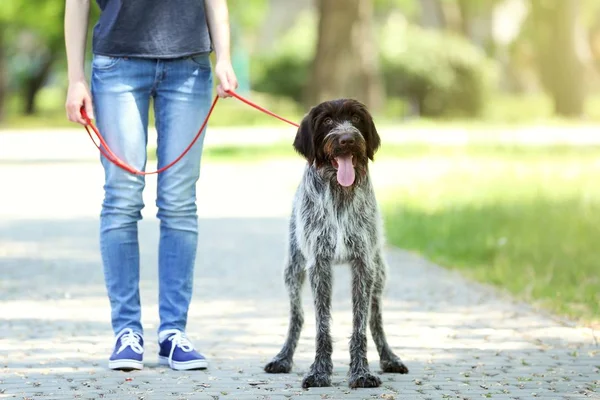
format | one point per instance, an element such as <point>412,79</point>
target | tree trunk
<point>432,14</point>
<point>466,15</point>
<point>476,22</point>
<point>594,43</point>
<point>560,66</point>
<point>346,61</point>
<point>34,83</point>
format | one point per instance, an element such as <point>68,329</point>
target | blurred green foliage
<point>284,70</point>
<point>448,71</point>
<point>443,73</point>
<point>247,15</point>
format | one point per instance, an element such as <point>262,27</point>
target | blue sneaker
<point>178,352</point>
<point>128,352</point>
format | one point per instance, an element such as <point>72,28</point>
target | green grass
<point>503,110</point>
<point>407,152</point>
<point>526,220</point>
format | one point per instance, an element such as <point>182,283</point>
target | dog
<point>335,220</point>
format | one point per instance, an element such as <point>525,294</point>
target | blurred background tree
<point>494,60</point>
<point>346,61</point>
<point>559,39</point>
<point>32,52</point>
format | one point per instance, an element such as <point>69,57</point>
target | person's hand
<point>79,95</point>
<point>226,76</point>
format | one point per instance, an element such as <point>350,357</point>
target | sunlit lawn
<point>523,219</point>
<point>526,221</point>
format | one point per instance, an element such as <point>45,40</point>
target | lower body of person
<point>181,90</point>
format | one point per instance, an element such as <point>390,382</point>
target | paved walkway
<point>458,339</point>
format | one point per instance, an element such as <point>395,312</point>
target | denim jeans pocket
<point>201,60</point>
<point>101,62</point>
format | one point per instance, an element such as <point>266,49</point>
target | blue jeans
<point>182,92</point>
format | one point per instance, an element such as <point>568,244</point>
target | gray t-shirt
<point>151,28</point>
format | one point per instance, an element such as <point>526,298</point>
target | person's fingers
<point>89,109</point>
<point>68,109</point>
<point>76,113</point>
<point>232,79</point>
<point>73,108</point>
<point>223,81</point>
<point>220,92</point>
<point>79,116</point>
<point>76,99</point>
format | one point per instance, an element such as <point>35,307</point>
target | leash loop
<point>110,156</point>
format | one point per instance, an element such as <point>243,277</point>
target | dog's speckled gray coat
<point>331,225</point>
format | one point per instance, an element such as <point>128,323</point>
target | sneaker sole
<point>183,365</point>
<point>125,364</point>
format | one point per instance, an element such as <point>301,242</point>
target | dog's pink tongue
<point>345,172</point>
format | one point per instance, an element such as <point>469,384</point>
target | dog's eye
<point>355,119</point>
<point>328,121</point>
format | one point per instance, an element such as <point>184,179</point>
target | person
<point>143,50</point>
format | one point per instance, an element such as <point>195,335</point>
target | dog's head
<point>339,138</point>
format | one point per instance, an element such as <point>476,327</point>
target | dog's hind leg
<point>389,362</point>
<point>294,276</point>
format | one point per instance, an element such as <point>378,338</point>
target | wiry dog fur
<point>334,224</point>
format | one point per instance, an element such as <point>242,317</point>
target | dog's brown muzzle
<point>344,148</point>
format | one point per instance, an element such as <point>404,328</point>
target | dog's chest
<point>341,229</point>
<point>326,227</point>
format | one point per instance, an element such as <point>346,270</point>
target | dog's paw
<point>394,365</point>
<point>364,380</point>
<point>314,379</point>
<point>279,366</point>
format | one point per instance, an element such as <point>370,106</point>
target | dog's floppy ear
<point>304,141</point>
<point>373,139</point>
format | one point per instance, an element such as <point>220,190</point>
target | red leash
<point>107,152</point>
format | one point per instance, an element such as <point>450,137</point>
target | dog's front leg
<point>389,361</point>
<point>363,275</point>
<point>321,281</point>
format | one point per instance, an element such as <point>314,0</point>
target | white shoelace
<point>179,339</point>
<point>131,339</point>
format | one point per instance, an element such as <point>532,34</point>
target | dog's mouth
<point>344,165</point>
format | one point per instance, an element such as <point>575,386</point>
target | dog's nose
<point>347,140</point>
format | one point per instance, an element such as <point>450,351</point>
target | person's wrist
<point>76,78</point>
<point>223,57</point>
